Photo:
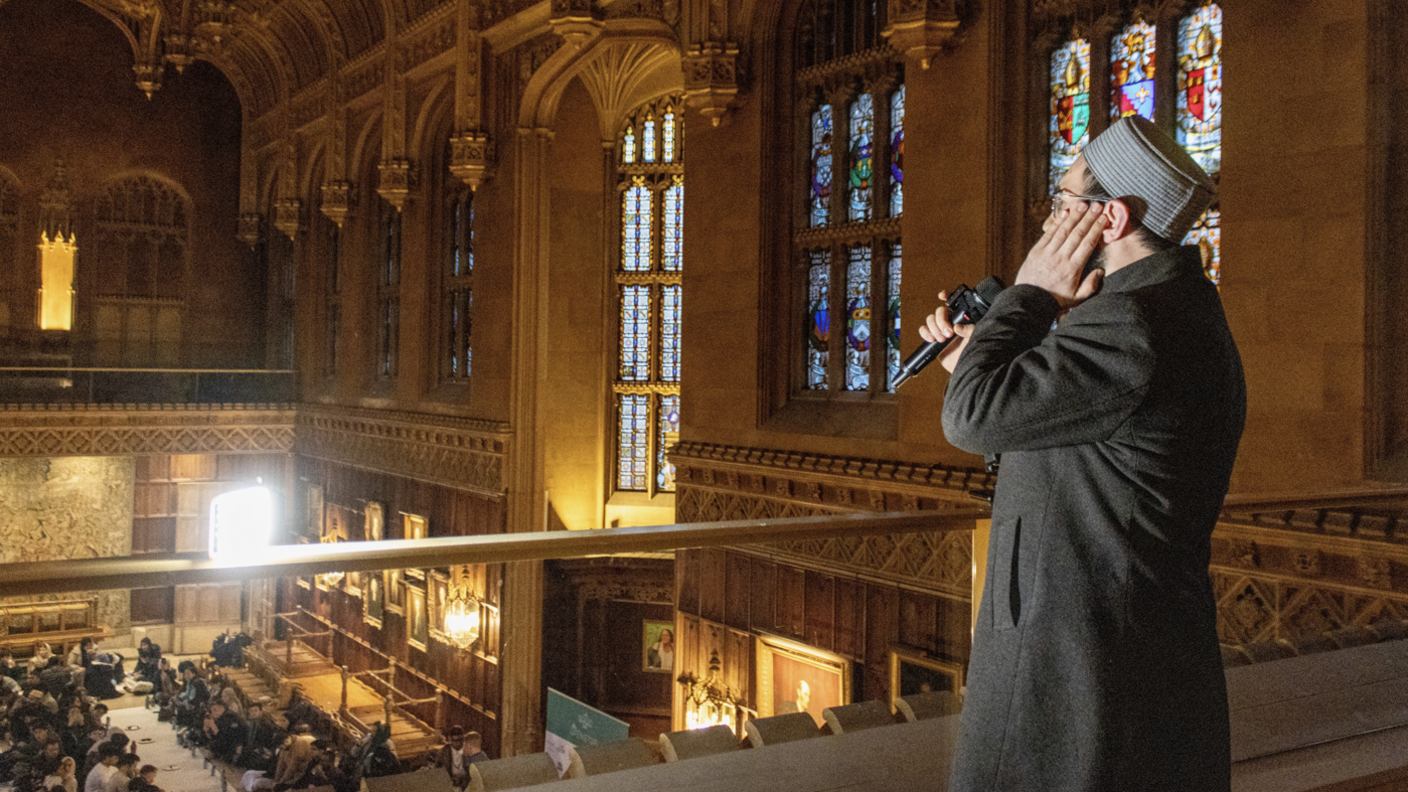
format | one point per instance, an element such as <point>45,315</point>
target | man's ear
<point>1120,222</point>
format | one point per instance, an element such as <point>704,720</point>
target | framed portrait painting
<point>395,591</point>
<point>352,584</point>
<point>657,651</point>
<point>374,599</point>
<point>416,528</point>
<point>438,601</point>
<point>795,677</point>
<point>417,618</point>
<point>913,671</point>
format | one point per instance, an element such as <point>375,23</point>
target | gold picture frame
<point>437,601</point>
<point>374,601</point>
<point>795,677</point>
<point>913,671</point>
<point>416,527</point>
<point>352,584</point>
<point>657,653</point>
<point>395,591</point>
<point>417,618</point>
<point>373,522</point>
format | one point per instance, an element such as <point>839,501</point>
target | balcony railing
<point>69,385</point>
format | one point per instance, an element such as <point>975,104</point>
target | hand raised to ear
<point>1057,259</point>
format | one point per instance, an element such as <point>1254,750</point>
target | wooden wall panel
<point>737,583</point>
<point>849,622</point>
<point>881,630</point>
<point>687,581</point>
<point>763,596</point>
<point>791,601</point>
<point>918,620</point>
<point>712,584</point>
<point>820,610</point>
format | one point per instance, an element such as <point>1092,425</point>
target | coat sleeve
<point>1021,387</point>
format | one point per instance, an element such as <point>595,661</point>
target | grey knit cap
<point>1135,158</point>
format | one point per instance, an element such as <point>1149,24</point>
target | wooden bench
<point>76,619</point>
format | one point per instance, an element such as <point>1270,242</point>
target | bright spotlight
<point>241,522</point>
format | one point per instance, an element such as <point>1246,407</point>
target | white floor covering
<point>164,752</point>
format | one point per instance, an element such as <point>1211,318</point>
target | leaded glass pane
<point>672,251</point>
<point>892,318</point>
<point>858,319</point>
<point>1132,72</point>
<point>862,164</point>
<point>628,146</point>
<point>897,153</point>
<point>1070,104</point>
<point>453,306</point>
<point>1207,235</point>
<point>647,140</point>
<point>820,189</point>
<point>668,142</point>
<point>635,333</point>
<point>633,442</point>
<point>1199,116</point>
<point>669,428</point>
<point>635,227</point>
<point>818,318</point>
<point>670,333</point>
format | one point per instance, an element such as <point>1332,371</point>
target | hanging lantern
<point>462,612</point>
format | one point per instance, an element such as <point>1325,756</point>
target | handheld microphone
<point>967,306</point>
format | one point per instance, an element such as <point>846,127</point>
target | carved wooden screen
<point>9,241</point>
<point>141,252</point>
<point>846,233</point>
<point>647,383</point>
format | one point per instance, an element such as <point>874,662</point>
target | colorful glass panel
<point>858,319</point>
<point>1199,115</point>
<point>672,251</point>
<point>1070,104</point>
<point>669,428</point>
<point>1207,235</point>
<point>897,153</point>
<point>632,441</point>
<point>647,140</point>
<point>892,317</point>
<point>1132,72</point>
<point>635,333</point>
<point>668,138</point>
<point>820,189</point>
<point>670,333</point>
<point>635,227</point>
<point>628,146</point>
<point>862,157</point>
<point>818,318</point>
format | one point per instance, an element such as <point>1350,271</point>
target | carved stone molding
<point>574,20</point>
<point>250,229</point>
<point>338,201</point>
<point>142,429</point>
<point>471,157</point>
<point>397,180</point>
<point>922,29</point>
<point>628,579</point>
<point>460,453</point>
<point>288,216</point>
<point>711,79</point>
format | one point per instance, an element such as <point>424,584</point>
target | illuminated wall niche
<point>57,255</point>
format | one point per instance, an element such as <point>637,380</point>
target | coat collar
<point>1157,268</point>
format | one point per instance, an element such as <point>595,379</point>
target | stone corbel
<point>922,29</point>
<point>180,51</point>
<point>288,216</point>
<point>250,229</point>
<point>471,157</point>
<point>711,79</point>
<point>397,177</point>
<point>574,20</point>
<point>148,77</point>
<point>338,201</point>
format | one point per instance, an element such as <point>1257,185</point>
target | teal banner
<point>572,723</point>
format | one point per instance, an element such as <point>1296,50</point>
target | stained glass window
<point>635,226</point>
<point>858,319</point>
<point>862,133</point>
<point>821,165</point>
<point>672,251</point>
<point>668,143</point>
<point>635,333</point>
<point>1207,235</point>
<point>818,319</point>
<point>456,281</point>
<point>670,333</point>
<point>897,152</point>
<point>1070,105</point>
<point>1132,71</point>
<point>649,293</point>
<point>892,317</point>
<point>1199,115</point>
<point>669,428</point>
<point>633,443</point>
<point>389,292</point>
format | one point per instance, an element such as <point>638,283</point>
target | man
<point>222,731</point>
<point>145,780</point>
<point>260,739</point>
<point>100,778</point>
<point>191,701</point>
<point>1095,663</point>
<point>127,765</point>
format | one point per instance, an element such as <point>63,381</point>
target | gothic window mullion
<point>1100,76</point>
<point>836,311</point>
<point>840,101</point>
<point>881,90</point>
<point>1166,70</point>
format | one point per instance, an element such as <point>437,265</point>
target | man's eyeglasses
<point>1058,198</point>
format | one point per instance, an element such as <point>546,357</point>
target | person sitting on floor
<point>193,698</point>
<point>127,765</point>
<point>99,779</point>
<point>222,731</point>
<point>148,668</point>
<point>66,778</point>
<point>261,739</point>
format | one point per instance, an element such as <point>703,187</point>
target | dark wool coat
<point>1095,661</point>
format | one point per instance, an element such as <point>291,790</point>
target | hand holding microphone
<point>966,306</point>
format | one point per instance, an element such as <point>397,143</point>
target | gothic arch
<point>314,163</point>
<point>625,75</point>
<point>439,103</point>
<point>368,143</point>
